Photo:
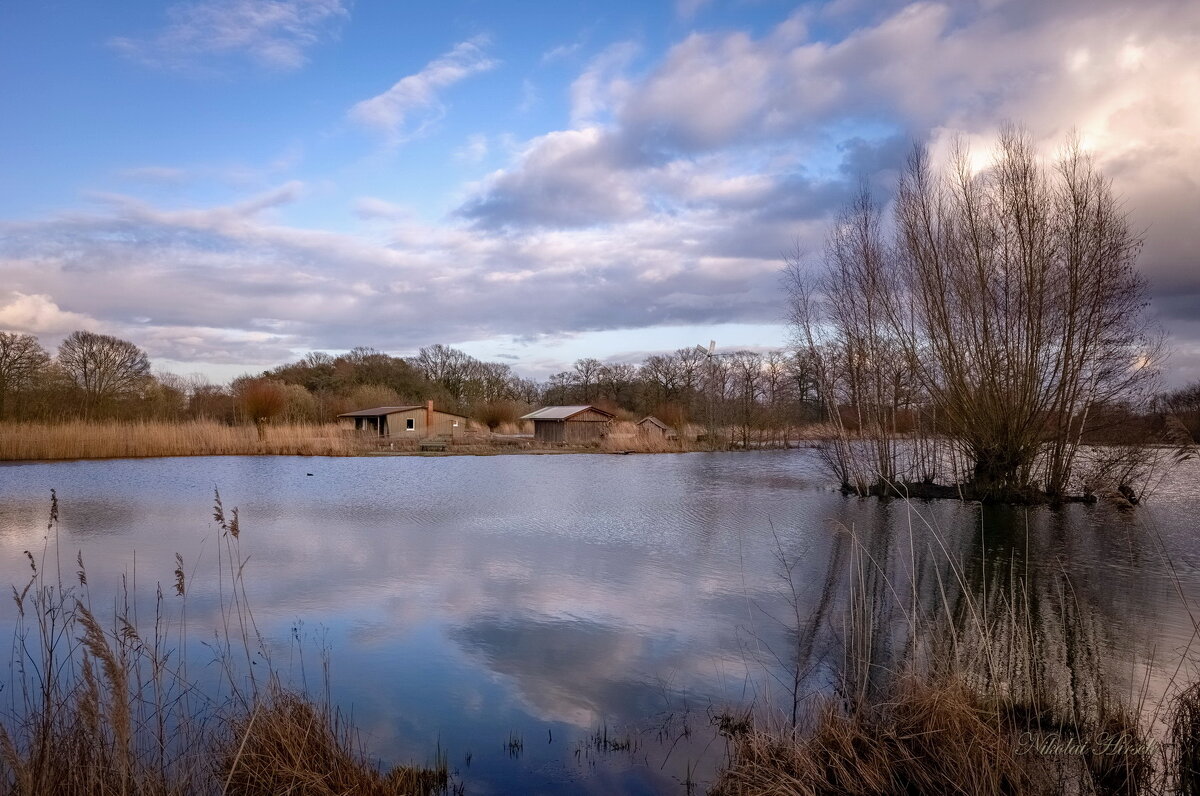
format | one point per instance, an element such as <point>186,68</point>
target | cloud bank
<point>667,197</point>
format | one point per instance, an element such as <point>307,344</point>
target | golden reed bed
<point>108,440</point>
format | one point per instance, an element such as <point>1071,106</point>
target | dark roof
<point>379,411</point>
<point>563,412</point>
<point>654,421</point>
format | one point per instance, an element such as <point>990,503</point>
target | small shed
<point>569,423</point>
<point>416,421</point>
<point>651,426</point>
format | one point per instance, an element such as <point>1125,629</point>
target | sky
<point>231,184</point>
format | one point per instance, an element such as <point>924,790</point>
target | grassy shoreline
<point>115,440</point>
<point>81,440</point>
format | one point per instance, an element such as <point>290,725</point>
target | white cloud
<point>566,178</point>
<point>241,176</point>
<point>686,9</point>
<point>273,33</point>
<point>370,207</point>
<point>702,133</point>
<point>224,284</point>
<point>38,314</point>
<point>474,150</point>
<point>674,190</point>
<point>168,175</point>
<point>529,96</point>
<point>392,110</point>
<point>560,52</point>
<point>602,85</point>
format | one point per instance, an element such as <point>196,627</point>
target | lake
<point>529,615</point>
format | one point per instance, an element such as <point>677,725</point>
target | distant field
<point>107,440</point>
<point>118,440</point>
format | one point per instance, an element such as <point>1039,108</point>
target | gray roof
<point>654,421</point>
<point>379,411</point>
<point>562,412</point>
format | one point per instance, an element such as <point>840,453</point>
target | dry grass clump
<point>948,737</point>
<point>515,427</point>
<point>92,710</point>
<point>287,745</point>
<point>948,677</point>
<point>816,432</point>
<point>1185,738</point>
<point>924,739</point>
<point>107,440</point>
<point>625,436</point>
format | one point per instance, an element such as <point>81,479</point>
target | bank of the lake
<point>75,440</point>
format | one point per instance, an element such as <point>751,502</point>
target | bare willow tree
<point>102,366</point>
<point>21,357</point>
<point>1010,301</point>
<point>1028,298</point>
<point>845,320</point>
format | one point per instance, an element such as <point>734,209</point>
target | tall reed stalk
<point>104,440</point>
<point>941,674</point>
<point>100,705</point>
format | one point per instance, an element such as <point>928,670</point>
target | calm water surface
<point>469,601</point>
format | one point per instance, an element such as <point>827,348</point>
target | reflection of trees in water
<point>1033,606</point>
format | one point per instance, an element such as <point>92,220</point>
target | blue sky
<point>232,183</point>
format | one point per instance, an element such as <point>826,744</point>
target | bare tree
<point>495,382</point>
<point>616,381</point>
<point>1010,307</point>
<point>776,393</point>
<point>449,367</point>
<point>661,374</point>
<point>21,357</point>
<point>102,366</point>
<point>691,371</point>
<point>746,373</point>
<point>587,372</point>
<point>848,321</point>
<point>261,400</point>
<point>1029,304</point>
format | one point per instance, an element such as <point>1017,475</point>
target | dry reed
<point>92,710</point>
<point>924,739</point>
<point>287,745</point>
<point>104,440</point>
<point>626,436</point>
<point>972,696</point>
<point>80,439</point>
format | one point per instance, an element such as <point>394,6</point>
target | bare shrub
<point>1008,310</point>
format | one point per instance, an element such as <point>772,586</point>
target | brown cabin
<point>569,424</point>
<point>418,422</point>
<point>651,426</point>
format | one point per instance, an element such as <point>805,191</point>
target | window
<point>456,424</point>
<point>410,424</point>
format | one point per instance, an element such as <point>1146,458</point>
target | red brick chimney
<point>429,418</point>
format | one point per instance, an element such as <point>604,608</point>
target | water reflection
<point>468,599</point>
<point>1066,613</point>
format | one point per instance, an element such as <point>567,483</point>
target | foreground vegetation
<point>918,672</point>
<point>97,708</point>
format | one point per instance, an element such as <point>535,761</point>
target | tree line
<point>740,397</point>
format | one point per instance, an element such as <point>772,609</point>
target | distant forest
<point>748,394</point>
<point>101,377</point>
